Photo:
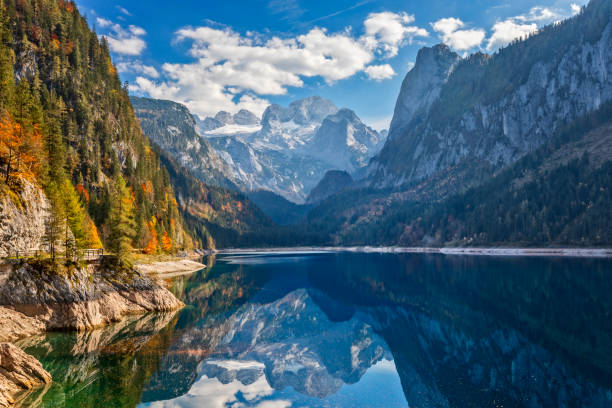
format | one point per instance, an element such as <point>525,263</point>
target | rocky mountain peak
<point>312,109</point>
<point>304,112</point>
<point>224,117</point>
<point>493,109</point>
<point>245,117</point>
<point>422,85</point>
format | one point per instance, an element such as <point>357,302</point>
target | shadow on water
<point>346,329</point>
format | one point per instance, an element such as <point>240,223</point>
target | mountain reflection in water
<point>347,329</point>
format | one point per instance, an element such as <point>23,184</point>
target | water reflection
<point>321,329</point>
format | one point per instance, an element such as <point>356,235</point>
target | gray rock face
<point>224,117</point>
<point>495,109</point>
<point>245,117</point>
<point>22,223</point>
<point>258,167</point>
<point>173,128</point>
<point>422,85</point>
<point>345,141</point>
<point>208,124</point>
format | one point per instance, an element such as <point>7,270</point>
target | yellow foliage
<point>166,242</point>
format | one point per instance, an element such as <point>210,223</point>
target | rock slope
<point>17,231</point>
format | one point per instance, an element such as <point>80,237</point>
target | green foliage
<point>121,219</point>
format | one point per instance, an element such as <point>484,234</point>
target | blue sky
<point>227,55</point>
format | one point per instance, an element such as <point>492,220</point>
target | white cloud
<point>449,30</point>
<point>388,31</point>
<point>506,31</point>
<point>380,72</point>
<point>137,67</point>
<point>539,14</point>
<point>124,41</point>
<point>575,8</point>
<point>523,25</point>
<point>102,22</point>
<point>231,71</point>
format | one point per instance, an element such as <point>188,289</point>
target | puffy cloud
<point>124,41</point>
<point>575,8</point>
<point>449,30</point>
<point>137,67</point>
<point>380,72</point>
<point>231,71</point>
<point>506,31</point>
<point>387,31</point>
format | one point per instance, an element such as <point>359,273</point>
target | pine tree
<point>54,224</point>
<point>121,219</point>
<point>74,213</point>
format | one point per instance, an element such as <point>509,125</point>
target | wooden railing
<point>92,254</point>
<point>89,255</point>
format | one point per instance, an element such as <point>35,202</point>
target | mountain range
<point>290,149</point>
<point>509,148</point>
<point>505,149</point>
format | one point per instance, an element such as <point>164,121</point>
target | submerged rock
<point>18,371</point>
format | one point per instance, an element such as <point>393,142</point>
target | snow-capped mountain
<point>290,149</point>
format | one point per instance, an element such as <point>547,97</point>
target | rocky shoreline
<point>34,300</point>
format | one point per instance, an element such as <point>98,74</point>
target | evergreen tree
<point>74,213</point>
<point>54,224</point>
<point>121,220</point>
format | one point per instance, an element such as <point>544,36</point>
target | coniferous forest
<point>67,123</point>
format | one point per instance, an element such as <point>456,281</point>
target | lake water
<point>352,330</point>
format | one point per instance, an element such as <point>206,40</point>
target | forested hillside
<point>558,195</point>
<point>217,217</point>
<point>66,124</point>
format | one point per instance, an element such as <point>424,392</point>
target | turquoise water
<point>352,330</point>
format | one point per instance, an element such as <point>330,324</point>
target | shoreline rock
<point>82,299</point>
<point>19,371</point>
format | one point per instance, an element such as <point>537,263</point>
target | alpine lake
<point>341,329</point>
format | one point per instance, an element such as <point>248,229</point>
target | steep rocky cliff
<point>493,109</point>
<point>22,217</point>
